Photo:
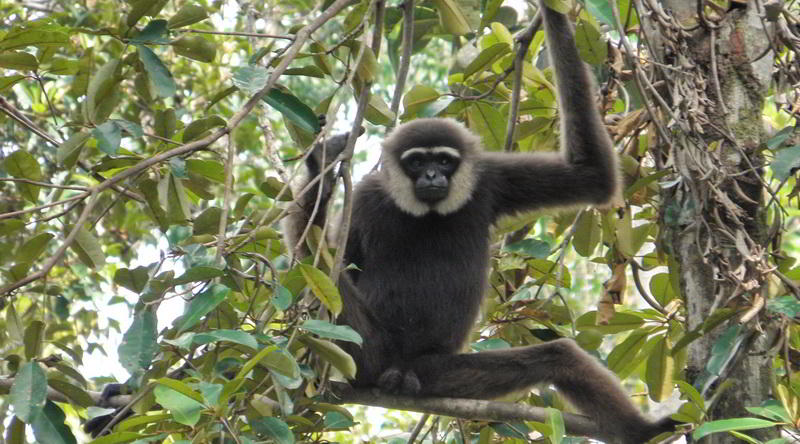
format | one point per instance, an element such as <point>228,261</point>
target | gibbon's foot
<point>96,425</point>
<point>399,382</point>
<point>648,431</point>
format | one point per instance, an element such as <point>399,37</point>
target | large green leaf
<point>29,391</point>
<point>49,427</point>
<point>23,165</point>
<point>726,425</point>
<point>202,304</point>
<point>322,287</point>
<point>325,329</point>
<point>184,409</point>
<point>139,346</point>
<point>273,428</point>
<point>157,73</point>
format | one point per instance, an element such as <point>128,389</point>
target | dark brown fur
<point>422,268</point>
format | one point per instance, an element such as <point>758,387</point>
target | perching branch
<point>473,409</point>
<point>341,393</point>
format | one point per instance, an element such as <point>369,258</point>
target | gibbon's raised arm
<point>585,170</point>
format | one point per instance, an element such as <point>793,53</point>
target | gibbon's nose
<point>430,174</point>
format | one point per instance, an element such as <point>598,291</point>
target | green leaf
<point>322,287</point>
<point>10,226</point>
<point>108,136</point>
<point>40,36</point>
<point>21,61</point>
<point>587,233</point>
<point>788,305</point>
<point>198,273</point>
<point>486,58</point>
<point>207,222</point>
<point>378,112</point>
<point>154,32</point>
<point>417,98</point>
<point>452,17</point>
<point>325,329</point>
<point>623,355</point>
<point>723,348</point>
<point>618,323</point>
<point>195,47</point>
<point>530,247</point>
<point>660,369</point>
<point>29,391</point>
<point>336,420</point>
<point>23,165</point>
<point>202,304</point>
<point>34,340</point>
<point>70,150</point>
<point>197,129</point>
<point>601,10</point>
<point>180,387</point>
<point>48,426</point>
<point>333,354</point>
<point>281,298</point>
<point>76,394</point>
<point>293,109</point>
<point>556,422</point>
<point>159,76</point>
<point>771,409</point>
<point>786,162</point>
<point>661,288</point>
<point>33,248</point>
<point>184,409</point>
<point>119,437</point>
<point>489,123</point>
<point>235,336</point>
<point>88,249</point>
<point>726,425</point>
<point>561,6</point>
<point>102,91</point>
<point>139,346</point>
<point>591,44</point>
<point>8,81</point>
<point>177,201</point>
<point>134,280</point>
<point>187,15</point>
<point>273,358</point>
<point>273,428</point>
<point>272,187</point>
<point>210,169</point>
<point>149,189</point>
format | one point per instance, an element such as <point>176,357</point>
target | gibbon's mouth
<point>431,194</point>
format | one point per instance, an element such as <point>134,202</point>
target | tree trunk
<point>714,217</point>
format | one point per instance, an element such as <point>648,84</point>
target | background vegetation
<point>144,155</point>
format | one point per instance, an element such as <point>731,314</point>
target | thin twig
<point>226,199</point>
<point>523,40</point>
<point>241,34</point>
<point>405,61</point>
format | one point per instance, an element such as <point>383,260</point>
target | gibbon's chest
<point>433,247</point>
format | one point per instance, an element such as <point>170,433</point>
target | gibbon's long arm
<point>302,209</point>
<point>585,171</point>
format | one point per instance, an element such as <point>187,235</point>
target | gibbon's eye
<point>415,162</point>
<point>445,161</point>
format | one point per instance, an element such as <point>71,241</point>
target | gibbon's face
<point>430,169</point>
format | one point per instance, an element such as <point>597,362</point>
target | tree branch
<point>342,393</point>
<point>473,409</point>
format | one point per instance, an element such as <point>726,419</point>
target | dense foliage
<point>145,152</point>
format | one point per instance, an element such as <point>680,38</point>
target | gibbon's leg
<point>592,388</point>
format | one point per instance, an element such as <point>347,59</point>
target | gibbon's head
<point>430,165</point>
